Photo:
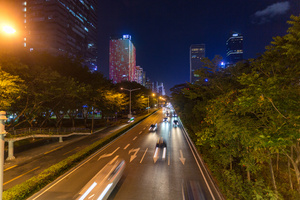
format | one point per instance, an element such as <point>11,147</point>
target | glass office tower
<point>234,51</point>
<point>122,59</point>
<point>197,53</point>
<point>62,27</point>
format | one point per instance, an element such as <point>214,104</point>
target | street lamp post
<point>148,104</point>
<point>2,134</point>
<point>149,100</point>
<point>130,90</point>
<point>7,30</point>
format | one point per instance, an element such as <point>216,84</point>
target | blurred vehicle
<point>103,183</point>
<point>175,123</point>
<point>192,190</point>
<point>165,119</point>
<point>131,120</point>
<point>153,127</point>
<point>161,143</point>
<point>174,115</point>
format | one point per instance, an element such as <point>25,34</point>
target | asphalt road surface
<point>148,175</point>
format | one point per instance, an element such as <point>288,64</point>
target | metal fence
<point>30,131</point>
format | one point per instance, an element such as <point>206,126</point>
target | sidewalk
<point>34,153</point>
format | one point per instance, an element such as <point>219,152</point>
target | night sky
<point>163,30</point>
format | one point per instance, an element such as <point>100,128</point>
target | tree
<point>11,88</point>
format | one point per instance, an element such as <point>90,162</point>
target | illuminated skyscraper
<point>234,51</point>
<point>139,75</point>
<point>122,59</point>
<point>62,27</point>
<point>197,53</point>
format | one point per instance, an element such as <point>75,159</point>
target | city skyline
<point>163,31</point>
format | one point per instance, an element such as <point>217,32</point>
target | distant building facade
<point>144,79</point>
<point>234,49</point>
<point>158,88</point>
<point>197,53</point>
<point>139,75</point>
<point>61,27</point>
<point>149,84</point>
<point>122,59</point>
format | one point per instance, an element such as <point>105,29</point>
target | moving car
<point>160,150</point>
<point>103,183</point>
<point>175,123</point>
<point>161,143</point>
<point>131,120</point>
<point>165,119</point>
<point>192,190</point>
<point>153,127</point>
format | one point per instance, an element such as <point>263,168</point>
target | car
<point>165,119</point>
<point>174,115</point>
<point>103,183</point>
<point>131,120</point>
<point>160,149</point>
<point>191,189</point>
<point>153,127</point>
<point>175,123</point>
<point>161,143</point>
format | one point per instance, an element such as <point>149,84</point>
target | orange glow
<point>8,29</point>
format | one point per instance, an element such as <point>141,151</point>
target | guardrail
<point>203,166</point>
<point>15,132</point>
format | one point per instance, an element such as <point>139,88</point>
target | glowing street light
<point>130,115</point>
<point>8,29</point>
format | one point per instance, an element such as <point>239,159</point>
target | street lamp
<point>130,90</point>
<point>149,100</point>
<point>8,29</point>
<point>2,134</point>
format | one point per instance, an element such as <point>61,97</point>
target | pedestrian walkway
<point>34,153</point>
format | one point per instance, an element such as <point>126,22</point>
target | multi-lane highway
<point>146,176</point>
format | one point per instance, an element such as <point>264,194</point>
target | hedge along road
<point>32,175</point>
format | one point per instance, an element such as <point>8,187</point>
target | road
<point>145,177</point>
<point>41,158</point>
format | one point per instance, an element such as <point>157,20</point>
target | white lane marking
<point>113,160</point>
<point>108,155</point>
<point>134,137</point>
<point>200,168</point>
<point>80,165</point>
<point>155,157</point>
<point>126,146</point>
<point>144,155</point>
<point>140,132</point>
<point>182,159</point>
<point>164,153</point>
<point>132,157</point>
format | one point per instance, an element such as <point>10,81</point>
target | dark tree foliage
<point>245,120</point>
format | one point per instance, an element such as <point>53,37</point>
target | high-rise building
<point>158,88</point>
<point>122,59</point>
<point>144,78</point>
<point>139,75</point>
<point>197,53</point>
<point>234,52</point>
<point>62,27</point>
<point>149,84</point>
